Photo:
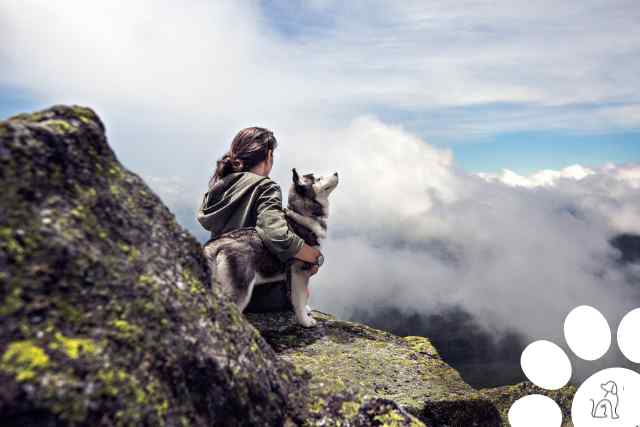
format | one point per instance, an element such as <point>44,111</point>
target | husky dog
<point>238,259</point>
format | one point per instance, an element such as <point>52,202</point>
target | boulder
<point>108,315</point>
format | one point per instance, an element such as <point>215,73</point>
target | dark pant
<point>270,297</point>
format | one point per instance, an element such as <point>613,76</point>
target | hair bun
<point>237,164</point>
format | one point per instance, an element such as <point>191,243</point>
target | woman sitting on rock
<point>240,196</point>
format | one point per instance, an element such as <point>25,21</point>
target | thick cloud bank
<point>410,230</point>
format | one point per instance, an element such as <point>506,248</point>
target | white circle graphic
<point>587,332</point>
<point>535,410</point>
<point>546,365</point>
<point>608,398</point>
<point>628,333</point>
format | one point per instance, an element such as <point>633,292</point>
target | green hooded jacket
<point>246,199</point>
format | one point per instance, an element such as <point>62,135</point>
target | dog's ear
<point>610,387</point>
<point>297,185</point>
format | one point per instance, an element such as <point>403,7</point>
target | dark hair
<point>249,147</point>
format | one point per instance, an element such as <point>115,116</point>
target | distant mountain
<point>483,359</point>
<point>629,246</point>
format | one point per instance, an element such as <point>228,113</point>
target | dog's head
<point>610,387</point>
<point>309,195</point>
<point>312,187</point>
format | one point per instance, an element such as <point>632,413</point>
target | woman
<point>241,194</point>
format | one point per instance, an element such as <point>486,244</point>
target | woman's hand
<point>308,253</point>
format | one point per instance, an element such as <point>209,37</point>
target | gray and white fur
<point>238,259</point>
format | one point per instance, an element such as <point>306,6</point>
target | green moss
<point>59,126</point>
<point>390,419</point>
<point>91,193</point>
<point>70,313</point>
<point>23,359</point>
<point>141,396</point>
<point>111,379</point>
<point>12,303</point>
<point>349,409</point>
<point>79,212</point>
<point>162,408</point>
<point>193,284</point>
<point>11,245</point>
<point>134,253</point>
<point>74,347</point>
<point>116,171</point>
<point>317,406</point>
<point>83,113</point>
<point>146,280</point>
<point>35,116</point>
<point>126,328</point>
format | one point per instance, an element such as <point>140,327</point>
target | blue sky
<point>528,152</point>
<point>503,86</point>
<point>523,152</point>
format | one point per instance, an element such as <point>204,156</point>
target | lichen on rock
<point>342,355</point>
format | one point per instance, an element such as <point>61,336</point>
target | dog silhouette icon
<point>607,407</point>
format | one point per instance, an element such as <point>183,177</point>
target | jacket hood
<point>225,197</point>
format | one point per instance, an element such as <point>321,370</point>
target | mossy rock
<point>108,316</point>
<point>503,398</point>
<point>350,357</point>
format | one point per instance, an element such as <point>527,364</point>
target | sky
<point>487,151</point>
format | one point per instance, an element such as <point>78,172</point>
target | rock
<point>107,313</point>
<point>109,318</point>
<point>503,398</point>
<point>342,355</point>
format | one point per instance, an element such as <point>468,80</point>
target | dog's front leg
<point>307,222</point>
<point>299,281</point>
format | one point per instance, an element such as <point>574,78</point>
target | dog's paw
<point>308,322</point>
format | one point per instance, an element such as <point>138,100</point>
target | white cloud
<point>545,177</point>
<point>174,84</point>
<point>410,230</point>
<point>609,190</point>
<point>217,63</point>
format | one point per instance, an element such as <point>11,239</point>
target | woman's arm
<point>273,229</point>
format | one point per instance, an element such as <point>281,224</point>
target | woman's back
<point>246,199</point>
<point>230,203</point>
